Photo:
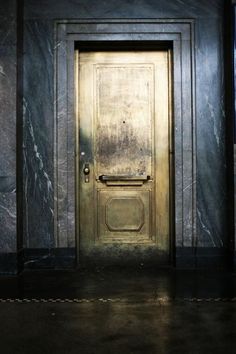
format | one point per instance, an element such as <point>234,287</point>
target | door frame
<point>155,247</point>
<point>179,35</point>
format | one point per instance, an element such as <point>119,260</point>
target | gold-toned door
<point>123,179</point>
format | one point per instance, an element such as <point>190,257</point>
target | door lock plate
<point>86,173</point>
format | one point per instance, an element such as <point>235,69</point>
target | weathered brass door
<point>123,157</point>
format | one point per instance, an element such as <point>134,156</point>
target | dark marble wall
<point>38,106</point>
<point>38,134</point>
<point>8,86</point>
<point>211,164</point>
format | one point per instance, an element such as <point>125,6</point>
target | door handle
<point>104,178</point>
<point>86,171</point>
<point>123,180</point>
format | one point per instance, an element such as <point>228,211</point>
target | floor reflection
<point>136,285</point>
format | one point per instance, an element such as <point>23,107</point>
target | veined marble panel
<point>8,222</point>
<point>8,38</point>
<point>8,110</point>
<point>8,22</point>
<point>7,184</point>
<point>61,9</point>
<point>211,156</point>
<point>38,135</point>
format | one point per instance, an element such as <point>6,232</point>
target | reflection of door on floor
<point>124,169</point>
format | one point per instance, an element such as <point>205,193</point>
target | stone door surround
<point>177,33</point>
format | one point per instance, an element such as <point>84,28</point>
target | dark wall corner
<point>19,132</point>
<point>229,104</point>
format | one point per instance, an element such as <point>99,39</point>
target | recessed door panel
<point>123,142</point>
<point>124,216</point>
<point>124,118</point>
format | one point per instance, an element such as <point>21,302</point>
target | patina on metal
<point>124,143</point>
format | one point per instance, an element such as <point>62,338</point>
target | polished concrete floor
<point>118,311</point>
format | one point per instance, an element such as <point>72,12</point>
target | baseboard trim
<point>202,258</point>
<point>56,258</point>
<point>9,263</point>
<point>65,258</point>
